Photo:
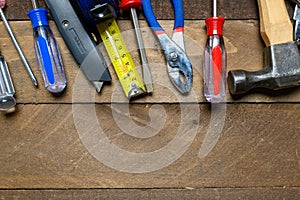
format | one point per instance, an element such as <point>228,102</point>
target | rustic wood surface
<point>163,194</point>
<point>43,152</point>
<point>201,9</point>
<point>41,147</point>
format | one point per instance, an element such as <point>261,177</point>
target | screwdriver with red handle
<point>132,5</point>
<point>215,59</point>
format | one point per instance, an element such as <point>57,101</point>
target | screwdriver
<point>15,42</point>
<point>132,5</point>
<point>46,49</point>
<point>215,59</point>
<point>7,91</point>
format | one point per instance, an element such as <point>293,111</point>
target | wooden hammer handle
<point>275,24</point>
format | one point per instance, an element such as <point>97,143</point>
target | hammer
<point>281,55</point>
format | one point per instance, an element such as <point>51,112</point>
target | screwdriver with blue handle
<point>215,59</point>
<point>47,51</point>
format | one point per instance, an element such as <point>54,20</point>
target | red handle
<point>127,4</point>
<point>214,25</point>
<point>217,68</point>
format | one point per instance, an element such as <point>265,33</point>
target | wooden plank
<point>244,52</point>
<point>44,146</point>
<point>164,194</point>
<point>194,9</point>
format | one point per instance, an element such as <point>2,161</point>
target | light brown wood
<point>258,147</point>
<point>275,24</point>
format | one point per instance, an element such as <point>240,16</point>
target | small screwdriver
<point>15,42</point>
<point>132,5</point>
<point>46,50</point>
<point>215,59</point>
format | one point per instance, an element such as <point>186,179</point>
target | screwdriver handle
<point>275,24</point>
<point>47,52</point>
<point>7,91</point>
<point>215,61</point>
<point>127,4</point>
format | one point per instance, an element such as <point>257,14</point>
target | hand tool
<point>15,42</point>
<point>282,59</point>
<point>79,42</point>
<point>296,17</point>
<point>215,59</point>
<point>132,5</point>
<point>114,43</point>
<point>178,64</point>
<point>7,91</point>
<point>46,49</point>
<point>121,59</point>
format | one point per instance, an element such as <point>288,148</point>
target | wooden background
<point>256,155</point>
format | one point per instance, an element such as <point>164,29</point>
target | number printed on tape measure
<point>121,58</point>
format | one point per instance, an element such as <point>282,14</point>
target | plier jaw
<point>178,64</point>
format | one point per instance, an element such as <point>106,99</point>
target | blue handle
<point>179,13</point>
<point>46,59</point>
<point>47,51</point>
<point>153,23</point>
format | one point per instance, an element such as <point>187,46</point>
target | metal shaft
<point>215,8</point>
<point>35,3</point>
<point>145,66</point>
<point>29,70</point>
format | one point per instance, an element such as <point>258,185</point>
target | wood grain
<point>258,147</point>
<point>131,194</point>
<point>194,9</point>
<point>275,24</point>
<point>244,52</point>
<point>255,155</point>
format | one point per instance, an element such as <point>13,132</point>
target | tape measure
<point>101,13</point>
<point>120,57</point>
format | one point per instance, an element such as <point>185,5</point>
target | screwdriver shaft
<point>215,8</point>
<point>35,3</point>
<point>22,56</point>
<point>145,66</point>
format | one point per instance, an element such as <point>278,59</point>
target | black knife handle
<point>79,41</point>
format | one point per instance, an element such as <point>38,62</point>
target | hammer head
<point>282,70</point>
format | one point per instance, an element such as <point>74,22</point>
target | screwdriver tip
<point>35,82</point>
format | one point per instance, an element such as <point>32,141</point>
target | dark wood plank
<point>194,9</point>
<point>244,52</point>
<point>164,194</point>
<point>43,146</point>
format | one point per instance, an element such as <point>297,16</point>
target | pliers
<point>178,64</point>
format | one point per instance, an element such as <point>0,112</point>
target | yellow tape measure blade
<point>121,59</point>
